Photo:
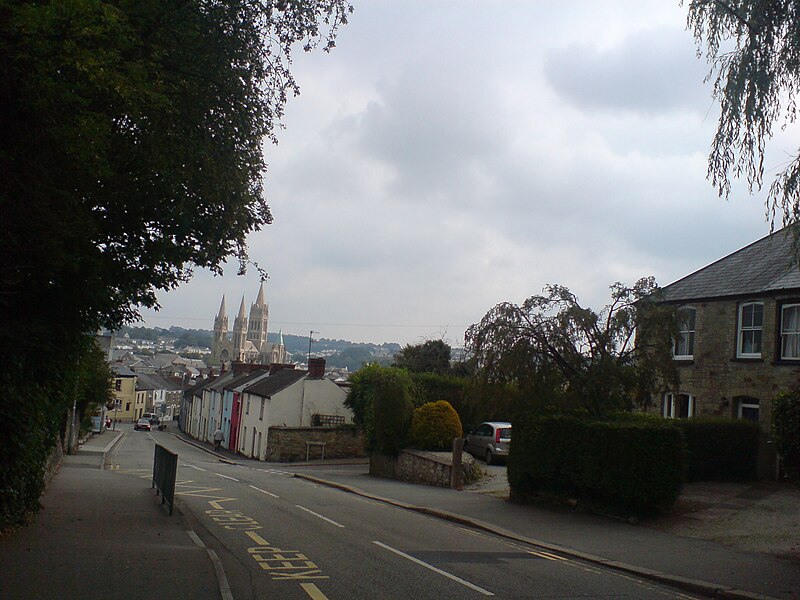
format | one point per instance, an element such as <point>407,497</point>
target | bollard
<point>457,470</point>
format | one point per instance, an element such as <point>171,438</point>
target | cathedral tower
<point>239,332</point>
<point>259,320</point>
<point>220,331</point>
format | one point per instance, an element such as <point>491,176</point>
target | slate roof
<point>147,381</point>
<point>122,371</point>
<point>766,266</point>
<point>276,382</point>
<point>243,379</point>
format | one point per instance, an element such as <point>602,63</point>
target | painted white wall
<point>291,407</point>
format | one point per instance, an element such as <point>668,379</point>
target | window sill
<point>682,362</point>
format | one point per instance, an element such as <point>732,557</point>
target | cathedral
<point>249,341</point>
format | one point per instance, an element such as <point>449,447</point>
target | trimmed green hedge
<point>630,465</point>
<point>718,448</point>
<point>434,426</point>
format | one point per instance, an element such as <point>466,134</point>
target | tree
<point>133,140</point>
<point>432,356</point>
<point>754,49</point>
<point>131,154</point>
<point>562,355</point>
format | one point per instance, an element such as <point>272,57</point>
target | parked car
<point>143,424</point>
<point>490,440</point>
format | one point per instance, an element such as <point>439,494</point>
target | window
<point>261,411</point>
<point>684,343</point>
<point>751,319</point>
<point>118,385</point>
<point>127,406</point>
<point>790,331</point>
<point>747,408</point>
<point>247,408</point>
<point>677,406</point>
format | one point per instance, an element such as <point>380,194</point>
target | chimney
<point>316,368</point>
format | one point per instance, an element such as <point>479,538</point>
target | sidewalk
<point>690,564</point>
<point>100,535</point>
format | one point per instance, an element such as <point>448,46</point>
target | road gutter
<point>683,583</point>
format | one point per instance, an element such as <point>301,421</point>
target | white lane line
<point>192,467</point>
<point>331,521</point>
<point>265,492</point>
<point>471,586</point>
<point>226,477</point>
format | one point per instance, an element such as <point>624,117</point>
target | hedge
<point>718,448</point>
<point>434,426</point>
<point>628,466</point>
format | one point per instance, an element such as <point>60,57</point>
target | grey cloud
<point>651,72</point>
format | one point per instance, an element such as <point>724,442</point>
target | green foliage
<point>392,411</point>
<point>754,49</point>
<point>631,465</point>
<point>720,448</point>
<point>786,431</point>
<point>434,426</point>
<point>558,355</point>
<point>44,386</point>
<point>378,395</point>
<point>432,356</point>
<point>131,153</point>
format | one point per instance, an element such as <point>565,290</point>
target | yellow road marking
<point>313,591</point>
<point>215,503</point>
<point>257,538</point>
<point>198,491</point>
<point>547,555</point>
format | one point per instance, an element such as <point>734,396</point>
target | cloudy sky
<point>450,155</point>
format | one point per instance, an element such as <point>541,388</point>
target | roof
<point>275,383</point>
<point>243,379</point>
<point>147,381</point>
<point>122,371</point>
<point>768,265</point>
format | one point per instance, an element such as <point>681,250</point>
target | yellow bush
<point>434,426</point>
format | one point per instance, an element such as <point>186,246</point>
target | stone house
<point>739,333</point>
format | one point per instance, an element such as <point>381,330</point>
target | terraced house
<point>739,339</point>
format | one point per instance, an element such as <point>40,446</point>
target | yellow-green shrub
<point>434,426</point>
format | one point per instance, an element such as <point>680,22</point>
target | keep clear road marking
<point>471,586</point>
<point>331,521</point>
<point>226,477</point>
<point>265,492</point>
<point>313,591</point>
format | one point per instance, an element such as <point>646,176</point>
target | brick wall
<point>287,444</point>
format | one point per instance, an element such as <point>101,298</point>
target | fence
<point>165,467</point>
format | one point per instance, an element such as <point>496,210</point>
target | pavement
<point>69,550</point>
<point>100,536</point>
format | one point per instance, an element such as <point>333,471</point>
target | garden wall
<point>289,444</point>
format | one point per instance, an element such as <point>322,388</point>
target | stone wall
<point>287,444</point>
<point>717,378</point>
<point>414,466</point>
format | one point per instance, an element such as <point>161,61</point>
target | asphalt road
<point>282,537</point>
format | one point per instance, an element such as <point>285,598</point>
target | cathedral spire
<point>241,314</point>
<point>260,298</point>
<point>222,310</point>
